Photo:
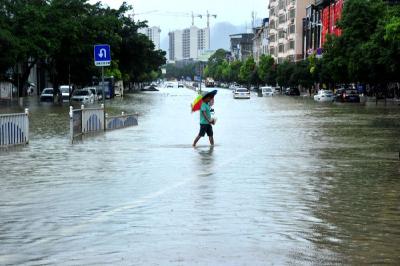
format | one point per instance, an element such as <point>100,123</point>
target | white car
<point>267,91</point>
<point>324,96</point>
<point>83,96</point>
<point>241,93</point>
<point>47,95</point>
<point>65,90</point>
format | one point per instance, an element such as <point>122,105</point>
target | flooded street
<point>288,182</point>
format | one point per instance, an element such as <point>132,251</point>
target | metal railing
<point>86,120</point>
<point>94,120</point>
<point>14,129</point>
<point>121,121</point>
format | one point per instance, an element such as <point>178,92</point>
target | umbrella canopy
<point>196,105</point>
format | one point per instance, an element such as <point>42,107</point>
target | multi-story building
<point>241,45</point>
<point>189,43</point>
<point>286,29</point>
<point>153,34</point>
<point>260,40</point>
<point>320,20</point>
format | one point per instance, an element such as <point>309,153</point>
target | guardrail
<point>94,120</point>
<point>14,129</point>
<point>121,121</point>
<point>86,120</point>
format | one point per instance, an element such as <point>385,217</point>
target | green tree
<point>248,72</point>
<point>235,67</point>
<point>214,62</point>
<point>267,70</point>
<point>284,74</point>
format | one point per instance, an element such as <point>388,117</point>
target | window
<point>291,45</point>
<point>282,4</point>
<point>281,48</point>
<point>281,34</point>
<point>292,29</point>
<point>272,38</point>
<point>282,19</point>
<point>272,51</point>
<point>292,13</point>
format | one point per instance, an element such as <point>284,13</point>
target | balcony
<point>322,2</point>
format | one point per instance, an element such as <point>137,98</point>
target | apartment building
<point>153,33</point>
<point>241,46</point>
<point>286,29</point>
<point>260,40</point>
<point>189,43</point>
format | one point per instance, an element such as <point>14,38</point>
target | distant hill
<point>220,34</point>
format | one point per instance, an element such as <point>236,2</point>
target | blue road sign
<point>102,55</point>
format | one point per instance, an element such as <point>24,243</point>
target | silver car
<point>83,96</point>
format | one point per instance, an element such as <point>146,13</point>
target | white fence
<point>86,120</point>
<point>122,121</point>
<point>92,120</point>
<point>14,129</point>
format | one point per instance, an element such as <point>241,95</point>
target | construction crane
<point>195,15</point>
<point>145,13</point>
<point>208,27</point>
<point>208,18</point>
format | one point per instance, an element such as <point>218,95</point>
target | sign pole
<point>102,85</point>
<point>102,58</point>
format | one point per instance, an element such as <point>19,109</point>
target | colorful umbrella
<point>196,105</point>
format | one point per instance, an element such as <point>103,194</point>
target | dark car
<point>292,92</point>
<point>347,96</point>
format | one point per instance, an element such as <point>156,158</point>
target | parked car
<point>241,93</point>
<point>277,90</point>
<point>347,95</point>
<point>324,96</point>
<point>47,95</point>
<point>65,92</point>
<point>83,96</point>
<point>267,91</point>
<point>292,91</point>
<point>150,88</point>
<point>180,85</point>
<point>170,85</point>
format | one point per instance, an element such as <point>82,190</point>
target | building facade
<point>320,21</point>
<point>188,44</point>
<point>260,41</point>
<point>241,45</point>
<point>286,29</point>
<point>153,34</point>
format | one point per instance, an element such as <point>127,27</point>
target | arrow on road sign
<point>102,53</point>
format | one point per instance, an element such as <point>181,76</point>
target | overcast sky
<point>233,11</point>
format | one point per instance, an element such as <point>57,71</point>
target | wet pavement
<point>288,182</point>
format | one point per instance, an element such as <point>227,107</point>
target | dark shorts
<point>206,129</point>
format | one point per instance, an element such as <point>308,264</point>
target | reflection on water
<point>288,182</point>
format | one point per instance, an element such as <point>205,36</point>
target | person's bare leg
<point>196,140</point>
<point>211,141</point>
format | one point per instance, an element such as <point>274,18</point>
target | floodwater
<point>288,182</point>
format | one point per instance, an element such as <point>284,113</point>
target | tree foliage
<point>58,35</point>
<point>367,51</point>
